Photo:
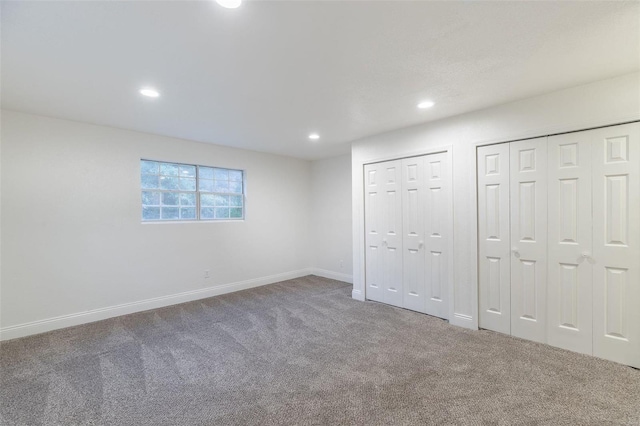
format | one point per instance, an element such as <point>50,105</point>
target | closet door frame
<point>443,149</point>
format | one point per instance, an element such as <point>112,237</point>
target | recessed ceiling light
<point>152,93</point>
<point>314,136</point>
<point>229,4</point>
<point>426,104</point>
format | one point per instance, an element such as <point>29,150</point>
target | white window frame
<point>197,193</point>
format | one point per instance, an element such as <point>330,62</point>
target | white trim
<point>559,129</point>
<point>418,153</point>
<point>357,294</point>
<point>339,276</point>
<point>165,222</point>
<point>41,326</point>
<point>452,230</point>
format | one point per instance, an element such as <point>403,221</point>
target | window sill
<point>162,222</point>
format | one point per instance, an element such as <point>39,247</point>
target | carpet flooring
<point>302,352</point>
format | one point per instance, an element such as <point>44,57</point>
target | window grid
<point>180,192</point>
<point>220,193</point>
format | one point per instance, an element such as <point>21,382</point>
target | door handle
<point>585,255</point>
<point>515,252</point>
<point>420,244</point>
<point>384,241</point>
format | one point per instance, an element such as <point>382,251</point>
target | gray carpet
<point>302,352</point>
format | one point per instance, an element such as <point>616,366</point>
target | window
<point>172,191</point>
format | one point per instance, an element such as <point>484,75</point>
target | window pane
<point>149,167</point>
<point>170,192</point>
<point>187,184</point>
<point>150,198</point>
<point>206,185</point>
<point>221,174</point>
<point>169,182</point>
<point>205,172</point>
<point>187,199</point>
<point>150,213</point>
<point>170,213</point>
<point>222,212</point>
<point>222,200</point>
<point>206,213</point>
<point>169,169</point>
<point>221,186</point>
<point>188,213</point>
<point>235,175</point>
<point>235,187</point>
<point>170,198</point>
<point>207,199</point>
<point>149,182</point>
<point>188,171</point>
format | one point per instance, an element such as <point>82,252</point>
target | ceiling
<point>266,75</point>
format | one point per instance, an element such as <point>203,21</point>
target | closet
<point>409,233</point>
<point>559,240</point>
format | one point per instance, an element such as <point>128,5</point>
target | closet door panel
<point>413,214</point>
<point>373,232</point>
<point>494,238</point>
<point>569,286</point>
<point>616,243</point>
<point>528,238</point>
<point>438,233</point>
<point>391,227</point>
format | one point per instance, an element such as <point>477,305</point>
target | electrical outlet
<point>341,264</point>
<point>206,273</point>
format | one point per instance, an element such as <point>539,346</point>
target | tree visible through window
<point>172,191</point>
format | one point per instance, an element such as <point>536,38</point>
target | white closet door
<point>438,234</point>
<point>569,288</point>
<point>373,232</point>
<point>493,238</point>
<point>413,213</point>
<point>529,238</point>
<point>383,208</point>
<point>616,243</point>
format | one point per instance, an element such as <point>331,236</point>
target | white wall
<point>600,103</point>
<point>74,250</point>
<point>72,239</point>
<point>331,218</point>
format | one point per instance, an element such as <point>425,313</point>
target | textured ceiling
<point>265,75</point>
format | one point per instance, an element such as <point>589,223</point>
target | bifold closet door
<point>383,232</point>
<point>494,257</point>
<point>427,233</point>
<point>569,288</point>
<point>413,223</point>
<point>616,243</point>
<point>574,225</point>
<point>529,238</point>
<point>409,233</point>
<point>438,233</point>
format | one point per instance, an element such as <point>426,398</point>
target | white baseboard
<point>358,295</point>
<point>332,275</point>
<point>41,326</point>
